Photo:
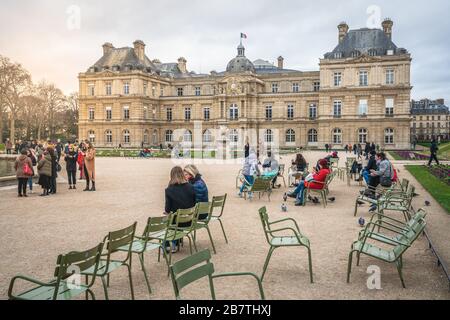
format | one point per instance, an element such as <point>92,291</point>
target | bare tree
<point>54,102</point>
<point>32,113</point>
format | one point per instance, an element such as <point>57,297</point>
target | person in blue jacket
<point>194,177</point>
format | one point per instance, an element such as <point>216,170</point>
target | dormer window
<point>372,52</point>
<point>338,55</point>
<point>355,53</point>
<point>390,52</point>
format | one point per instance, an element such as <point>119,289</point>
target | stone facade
<point>431,119</point>
<point>356,96</point>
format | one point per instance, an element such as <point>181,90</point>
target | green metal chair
<point>64,286</point>
<point>323,193</point>
<point>198,266</point>
<point>260,185</point>
<point>218,204</point>
<point>283,237</point>
<point>399,202</point>
<point>115,242</point>
<point>147,243</point>
<point>204,210</point>
<point>403,239</point>
<point>281,171</point>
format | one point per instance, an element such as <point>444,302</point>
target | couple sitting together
<point>316,181</point>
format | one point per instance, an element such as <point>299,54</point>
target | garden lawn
<point>437,188</point>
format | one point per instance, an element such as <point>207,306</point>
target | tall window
<point>126,88</point>
<point>337,136</point>
<point>234,137</point>
<point>206,113</point>
<point>290,112</point>
<point>363,78</point>
<point>389,107</point>
<point>180,92</point>
<point>169,114</point>
<point>312,111</point>
<point>145,87</point>
<point>290,135</point>
<point>153,90</point>
<point>169,136</point>
<point>337,79</point>
<point>91,89</point>
<point>274,87</point>
<point>389,136</point>
<point>187,137</point>
<point>145,140</point>
<point>91,113</point>
<point>337,108</point>
<point>269,112</point>
<point>108,88</point>
<point>108,136</point>
<point>390,76</point>
<point>312,136</point>
<point>155,137</point>
<point>91,135</point>
<point>126,113</point>
<point>207,136</point>
<point>126,136</point>
<point>362,135</point>
<point>187,114</point>
<point>362,107</point>
<point>295,87</point>
<point>234,112</point>
<point>316,86</point>
<point>145,112</point>
<point>268,136</point>
<point>162,91</point>
<point>197,91</point>
<point>108,113</point>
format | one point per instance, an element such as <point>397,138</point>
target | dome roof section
<point>240,63</point>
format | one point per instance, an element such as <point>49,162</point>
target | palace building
<point>361,93</point>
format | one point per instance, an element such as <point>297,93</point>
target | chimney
<point>387,27</point>
<point>107,48</point>
<point>280,62</point>
<point>182,65</point>
<point>139,49</point>
<point>343,30</point>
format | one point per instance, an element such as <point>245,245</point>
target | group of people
<point>44,159</point>
<point>186,188</point>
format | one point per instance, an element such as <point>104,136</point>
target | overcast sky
<point>45,36</point>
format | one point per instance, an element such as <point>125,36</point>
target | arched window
<point>337,136</point>
<point>155,137</point>
<point>290,135</point>
<point>91,135</point>
<point>312,136</point>
<point>187,137</point>
<point>108,136</point>
<point>126,136</point>
<point>207,136</point>
<point>146,136</point>
<point>233,135</point>
<point>268,136</point>
<point>362,135</point>
<point>389,136</point>
<point>312,111</point>
<point>169,136</point>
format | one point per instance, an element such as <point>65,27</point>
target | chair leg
<point>266,264</point>
<point>141,258</point>
<point>223,230</point>
<point>87,281</point>
<point>356,208</point>
<point>91,293</point>
<point>349,268</point>
<point>399,264</point>
<point>324,199</point>
<point>105,288</point>
<point>107,277</point>
<point>131,280</point>
<point>211,239</point>
<point>310,265</point>
<point>195,244</point>
<point>358,258</point>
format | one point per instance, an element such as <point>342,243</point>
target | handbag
<point>27,170</point>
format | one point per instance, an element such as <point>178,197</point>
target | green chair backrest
<point>219,202</point>
<point>77,262</point>
<point>204,208</point>
<point>264,216</point>
<point>155,224</point>
<point>404,184</point>
<point>183,219</point>
<point>261,185</point>
<point>116,239</point>
<point>281,169</point>
<point>191,269</point>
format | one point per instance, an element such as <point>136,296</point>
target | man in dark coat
<point>433,152</point>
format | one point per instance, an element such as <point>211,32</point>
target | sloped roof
<point>123,57</point>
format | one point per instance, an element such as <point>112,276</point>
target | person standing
<point>24,170</point>
<point>45,173</point>
<point>58,148</point>
<point>31,154</point>
<point>433,152</point>
<point>80,159</point>
<point>54,175</point>
<point>326,147</point>
<point>9,146</point>
<point>71,167</point>
<point>355,149</point>
<point>89,166</point>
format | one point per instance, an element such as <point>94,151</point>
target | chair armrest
<point>370,233</point>
<point>25,278</point>
<point>239,274</point>
<point>284,220</point>
<point>296,234</point>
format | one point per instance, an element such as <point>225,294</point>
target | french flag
<point>243,36</point>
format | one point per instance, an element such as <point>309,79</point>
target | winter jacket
<point>45,166</point>
<point>385,169</point>
<point>250,165</point>
<point>372,164</point>
<point>179,196</point>
<point>200,189</point>
<point>89,162</point>
<point>71,161</point>
<point>18,165</point>
<point>319,177</point>
<point>434,148</point>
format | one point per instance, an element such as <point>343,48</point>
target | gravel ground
<point>35,230</point>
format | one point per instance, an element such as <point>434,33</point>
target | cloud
<point>206,33</point>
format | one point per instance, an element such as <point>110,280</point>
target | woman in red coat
<point>80,161</point>
<point>317,183</point>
